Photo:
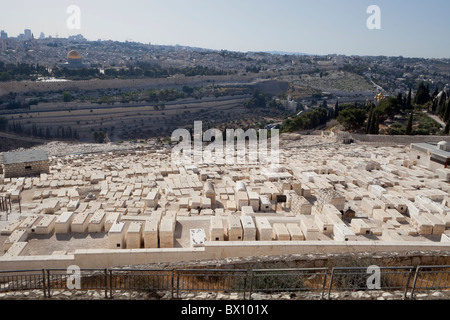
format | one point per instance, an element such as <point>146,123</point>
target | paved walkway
<point>435,118</point>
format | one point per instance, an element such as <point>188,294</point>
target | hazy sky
<point>410,28</point>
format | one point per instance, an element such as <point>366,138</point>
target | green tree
<point>400,100</point>
<point>435,93</point>
<point>351,118</point>
<point>389,107</point>
<point>259,100</point>
<point>369,121</point>
<point>306,121</point>
<point>48,134</point>
<point>188,90</point>
<point>67,96</point>
<point>408,103</point>
<point>409,125</point>
<point>336,109</point>
<point>99,136</point>
<point>5,76</point>
<point>374,124</point>
<point>441,105</point>
<point>446,116</point>
<point>423,94</point>
<point>3,123</point>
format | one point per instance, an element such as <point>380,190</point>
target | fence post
<point>251,284</point>
<point>407,282</point>
<point>414,282</point>
<point>331,283</point>
<point>172,282</point>
<point>178,283</point>
<point>44,288</point>
<point>110,283</point>
<point>106,283</point>
<point>324,284</point>
<point>48,283</point>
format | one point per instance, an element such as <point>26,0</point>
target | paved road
<point>435,118</point>
<point>21,138</point>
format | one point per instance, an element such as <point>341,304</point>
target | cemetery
<point>116,209</point>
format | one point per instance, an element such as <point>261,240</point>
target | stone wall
<point>364,259</point>
<point>398,139</point>
<point>15,170</point>
<point>98,258</point>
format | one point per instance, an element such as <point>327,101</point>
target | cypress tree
<point>440,109</point>
<point>408,100</point>
<point>447,112</point>
<point>369,121</point>
<point>410,124</point>
<point>34,130</point>
<point>434,106</point>
<point>377,123</point>
<point>374,124</point>
<point>336,109</point>
<point>400,100</point>
<point>436,92</point>
<point>423,94</point>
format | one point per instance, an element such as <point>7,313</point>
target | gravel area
<point>57,148</point>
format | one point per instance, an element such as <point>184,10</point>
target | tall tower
<point>28,34</point>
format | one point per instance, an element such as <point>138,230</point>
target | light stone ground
<point>117,178</point>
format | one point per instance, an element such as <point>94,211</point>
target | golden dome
<point>379,97</point>
<point>74,55</point>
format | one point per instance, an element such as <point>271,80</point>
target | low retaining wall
<point>398,139</point>
<point>97,258</point>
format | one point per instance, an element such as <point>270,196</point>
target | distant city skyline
<point>408,28</point>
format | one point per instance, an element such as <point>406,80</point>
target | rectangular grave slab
<point>249,228</point>
<point>116,236</point>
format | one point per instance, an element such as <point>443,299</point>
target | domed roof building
<point>73,55</point>
<point>74,61</point>
<point>379,97</point>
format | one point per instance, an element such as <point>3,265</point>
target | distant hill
<point>288,53</point>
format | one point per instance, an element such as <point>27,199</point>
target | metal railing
<point>243,282</point>
<point>87,279</point>
<point>144,280</point>
<point>212,280</point>
<point>359,278</point>
<point>20,280</point>
<point>289,280</point>
<point>429,278</point>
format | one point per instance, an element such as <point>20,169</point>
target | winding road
<point>435,118</point>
